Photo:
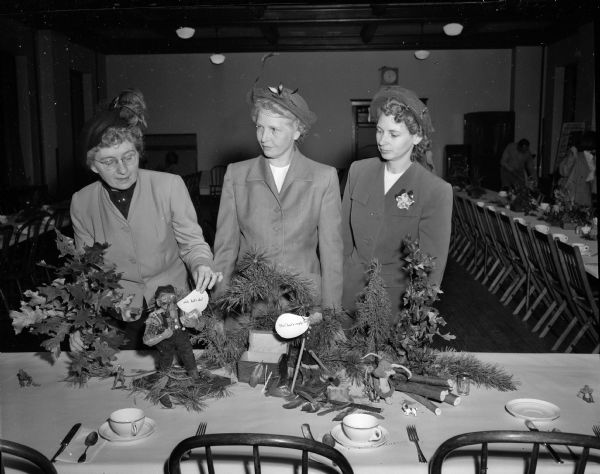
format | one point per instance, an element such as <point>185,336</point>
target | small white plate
<point>340,437</point>
<point>532,409</point>
<point>110,435</point>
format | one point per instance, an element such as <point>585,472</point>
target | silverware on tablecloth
<point>199,432</point>
<point>573,455</point>
<point>331,410</point>
<point>596,429</point>
<point>414,437</point>
<point>531,425</point>
<point>90,440</point>
<point>340,416</point>
<point>66,440</point>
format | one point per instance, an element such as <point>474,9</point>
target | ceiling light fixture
<point>453,29</point>
<point>217,58</point>
<point>422,54</point>
<point>185,32</point>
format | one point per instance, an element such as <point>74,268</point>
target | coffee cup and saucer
<point>360,431</point>
<point>127,424</point>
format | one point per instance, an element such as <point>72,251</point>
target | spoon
<point>90,440</point>
<point>327,438</point>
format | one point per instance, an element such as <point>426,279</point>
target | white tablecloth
<point>41,416</point>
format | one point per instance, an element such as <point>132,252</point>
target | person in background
<point>517,165</point>
<point>281,203</point>
<point>393,196</point>
<point>578,170</point>
<point>146,217</point>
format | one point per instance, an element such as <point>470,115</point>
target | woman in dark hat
<point>394,196</point>
<point>146,217</point>
<point>282,203</point>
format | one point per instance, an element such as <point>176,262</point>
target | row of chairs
<point>339,461</point>
<point>521,263</point>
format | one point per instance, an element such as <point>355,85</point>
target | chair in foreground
<point>23,452</point>
<point>256,440</point>
<point>535,438</point>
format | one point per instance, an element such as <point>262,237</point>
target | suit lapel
<point>260,171</point>
<point>298,171</point>
<point>369,188</point>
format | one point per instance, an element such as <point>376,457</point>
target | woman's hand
<point>206,278</point>
<point>76,343</point>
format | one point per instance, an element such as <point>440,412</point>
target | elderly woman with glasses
<point>394,196</point>
<point>146,217</point>
<point>281,203</point>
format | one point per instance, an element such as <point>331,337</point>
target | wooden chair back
<point>23,452</point>
<point>535,438</point>
<point>217,174</point>
<point>256,441</point>
<point>582,299</point>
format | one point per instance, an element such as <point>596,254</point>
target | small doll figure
<point>165,329</point>
<point>586,394</point>
<point>119,378</point>
<point>25,379</point>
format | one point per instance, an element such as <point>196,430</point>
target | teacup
<point>361,428</point>
<point>520,220</point>
<point>561,237</point>
<point>480,203</point>
<point>544,206</point>
<point>583,248</point>
<point>127,422</point>
<point>544,229</point>
<point>502,194</point>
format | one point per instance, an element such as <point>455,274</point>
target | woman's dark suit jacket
<point>298,228</point>
<point>373,226</point>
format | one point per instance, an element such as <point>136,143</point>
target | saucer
<point>110,435</point>
<point>340,437</point>
<point>533,409</point>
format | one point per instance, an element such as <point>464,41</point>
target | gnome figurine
<point>166,329</point>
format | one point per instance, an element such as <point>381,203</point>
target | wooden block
<point>249,360</point>
<point>266,341</point>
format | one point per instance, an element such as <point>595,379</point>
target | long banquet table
<point>590,258</point>
<point>41,416</point>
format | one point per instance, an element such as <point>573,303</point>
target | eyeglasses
<point>112,163</point>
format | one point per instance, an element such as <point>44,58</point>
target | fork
<point>596,429</point>
<point>199,432</point>
<point>414,437</point>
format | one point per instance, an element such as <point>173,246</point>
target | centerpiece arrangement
<point>564,212</point>
<point>325,365</point>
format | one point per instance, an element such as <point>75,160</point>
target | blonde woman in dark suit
<point>390,197</point>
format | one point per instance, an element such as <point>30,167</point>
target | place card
<point>196,300</point>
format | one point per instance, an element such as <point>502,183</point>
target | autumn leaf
<point>26,317</point>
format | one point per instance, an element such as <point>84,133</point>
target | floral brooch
<point>405,199</point>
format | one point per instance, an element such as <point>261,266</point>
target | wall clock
<point>389,76</point>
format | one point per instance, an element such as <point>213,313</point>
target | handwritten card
<point>196,300</point>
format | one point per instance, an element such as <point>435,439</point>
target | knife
<point>65,442</point>
<point>550,449</point>
<point>340,416</point>
<point>331,410</point>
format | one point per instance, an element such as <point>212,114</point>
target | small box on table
<point>249,360</point>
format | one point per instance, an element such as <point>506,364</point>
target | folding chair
<point>256,440</point>
<point>535,438</point>
<point>518,267</point>
<point>536,281</point>
<point>217,174</point>
<point>557,286</point>
<point>583,301</point>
